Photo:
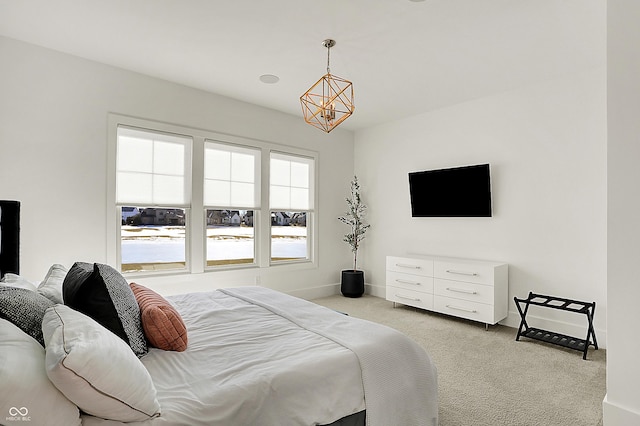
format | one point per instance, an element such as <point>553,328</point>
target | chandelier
<point>330,100</point>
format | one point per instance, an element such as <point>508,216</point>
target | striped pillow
<point>102,293</point>
<point>162,324</point>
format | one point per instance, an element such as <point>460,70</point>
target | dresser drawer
<point>466,291</point>
<point>410,297</point>
<point>410,281</point>
<point>464,309</point>
<point>410,265</point>
<point>468,272</point>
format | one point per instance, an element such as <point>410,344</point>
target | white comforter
<point>260,357</point>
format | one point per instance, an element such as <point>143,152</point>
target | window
<point>232,200</point>
<point>152,193</point>
<point>291,205</point>
<point>191,200</point>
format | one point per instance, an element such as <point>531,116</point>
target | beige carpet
<point>486,378</point>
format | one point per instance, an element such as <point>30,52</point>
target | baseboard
<point>316,292</point>
<point>614,415</point>
<point>333,289</point>
<point>376,290</point>
<point>580,331</point>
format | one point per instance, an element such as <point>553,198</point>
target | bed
<point>278,360</point>
<point>249,356</point>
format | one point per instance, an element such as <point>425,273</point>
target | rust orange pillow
<point>162,324</point>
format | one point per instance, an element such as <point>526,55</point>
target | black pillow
<point>25,309</point>
<point>102,293</point>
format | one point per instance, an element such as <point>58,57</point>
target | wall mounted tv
<point>454,192</point>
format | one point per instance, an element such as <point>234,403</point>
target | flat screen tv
<point>454,192</point>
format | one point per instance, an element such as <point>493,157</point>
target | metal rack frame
<point>586,308</point>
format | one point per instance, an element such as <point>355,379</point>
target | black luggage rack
<point>586,308</point>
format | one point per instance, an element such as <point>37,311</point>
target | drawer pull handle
<point>408,298</point>
<point>462,290</point>
<point>406,265</point>
<point>473,311</point>
<point>407,282</point>
<point>471,274</point>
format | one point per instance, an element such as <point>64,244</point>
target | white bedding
<point>260,357</point>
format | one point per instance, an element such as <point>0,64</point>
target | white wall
<point>622,405</point>
<point>53,145</point>
<point>547,148</point>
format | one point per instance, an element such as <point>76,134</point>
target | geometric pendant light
<point>329,101</point>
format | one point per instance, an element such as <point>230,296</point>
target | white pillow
<point>96,369</point>
<point>13,280</point>
<point>51,286</point>
<point>26,394</point>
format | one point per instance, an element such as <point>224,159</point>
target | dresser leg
<point>486,326</point>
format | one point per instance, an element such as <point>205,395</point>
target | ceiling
<point>404,57</point>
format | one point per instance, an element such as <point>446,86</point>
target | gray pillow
<point>25,309</point>
<point>102,293</point>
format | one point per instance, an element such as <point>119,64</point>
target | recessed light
<point>269,78</point>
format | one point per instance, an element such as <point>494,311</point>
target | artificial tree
<point>352,284</point>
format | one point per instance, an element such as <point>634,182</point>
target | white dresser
<point>472,289</point>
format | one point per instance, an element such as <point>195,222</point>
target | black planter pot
<point>352,283</point>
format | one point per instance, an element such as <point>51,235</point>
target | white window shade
<point>291,184</point>
<point>231,176</point>
<point>151,168</point>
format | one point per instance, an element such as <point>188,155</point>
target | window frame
<point>257,199</point>
<point>309,211</point>
<point>184,203</point>
<point>195,227</point>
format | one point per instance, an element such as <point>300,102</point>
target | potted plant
<point>352,280</point>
